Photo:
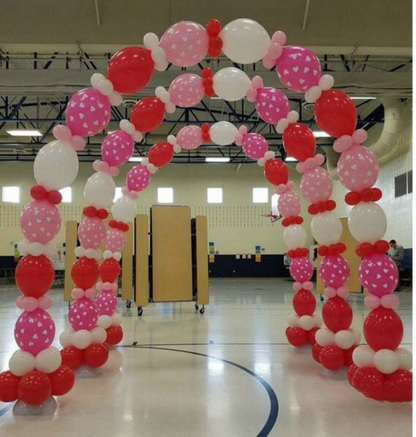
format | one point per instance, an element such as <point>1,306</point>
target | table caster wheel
<point>202,310</point>
<point>321,298</point>
<point>128,304</point>
<point>139,311</point>
<point>196,307</point>
<point>69,305</point>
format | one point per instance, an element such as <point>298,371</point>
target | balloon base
<point>87,372</point>
<point>44,409</point>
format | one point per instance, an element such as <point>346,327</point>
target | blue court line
<point>274,403</point>
<point>7,408</point>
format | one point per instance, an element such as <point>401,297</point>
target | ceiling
<point>50,49</point>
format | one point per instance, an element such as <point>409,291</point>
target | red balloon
<point>383,329</point>
<point>34,388</point>
<point>85,272</point>
<point>96,355</point>
<point>161,154</point>
<point>148,114</point>
<point>316,352</point>
<point>34,275</point>
<point>348,356</point>
<point>370,382</point>
<point>130,69</point>
<point>337,314</point>
<point>304,303</point>
<point>296,336</point>
<point>62,381</point>
<point>398,386</point>
<point>351,372</point>
<point>332,357</point>
<point>114,335</point>
<point>299,142</point>
<point>276,171</point>
<point>72,357</point>
<point>335,113</point>
<point>310,335</point>
<point>8,386</point>
<point>109,270</point>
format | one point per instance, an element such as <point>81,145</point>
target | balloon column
<point>36,369</point>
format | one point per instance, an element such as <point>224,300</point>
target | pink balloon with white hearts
<point>83,314</point>
<point>301,269</point>
<point>91,232</point>
<point>334,271</point>
<point>189,137</point>
<point>254,145</point>
<point>298,68</point>
<point>117,148</point>
<point>115,240</point>
<point>272,104</point>
<point>378,274</point>
<point>185,43</point>
<point>186,90</point>
<point>40,221</point>
<point>289,204</point>
<point>106,303</point>
<point>88,112</point>
<point>138,178</point>
<point>34,331</point>
<point>316,185</point>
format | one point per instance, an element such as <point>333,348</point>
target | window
<point>260,195</point>
<point>118,194</point>
<point>165,195</point>
<point>66,194</point>
<point>214,195</point>
<point>10,194</point>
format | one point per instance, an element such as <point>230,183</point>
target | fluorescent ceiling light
<point>362,98</point>
<point>320,134</point>
<point>222,159</point>
<point>24,133</point>
<point>290,159</point>
<point>136,159</point>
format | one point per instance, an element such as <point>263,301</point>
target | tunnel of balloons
<point>380,370</point>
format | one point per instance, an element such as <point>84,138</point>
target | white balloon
<point>82,339</point>
<point>99,190</point>
<point>317,321</point>
<point>293,321</point>
<point>367,222</point>
<point>294,236</point>
<point>116,319</point>
<point>245,41</point>
<point>324,337</point>
<point>124,209</point>
<point>223,133</point>
<point>98,335</point>
<point>231,84</point>
<point>21,362</point>
<point>386,361</point>
<point>405,358</point>
<point>326,228</point>
<point>56,165</point>
<point>344,339</point>
<point>48,360</point>
<point>104,321</point>
<point>306,322</point>
<point>66,338</point>
<point>363,356</point>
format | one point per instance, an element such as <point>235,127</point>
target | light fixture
<point>136,159</point>
<point>217,159</point>
<point>24,133</point>
<point>362,98</point>
<point>290,159</point>
<point>320,134</point>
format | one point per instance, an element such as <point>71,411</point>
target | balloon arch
<point>379,370</point>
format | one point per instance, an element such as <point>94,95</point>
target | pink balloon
<point>40,221</point>
<point>358,168</point>
<point>298,68</point>
<point>186,90</point>
<point>378,274</point>
<point>115,240</point>
<point>91,232</point>
<point>255,145</point>
<point>316,185</point>
<point>301,269</point>
<point>34,331</point>
<point>106,303</point>
<point>289,204</point>
<point>271,105</point>
<point>138,178</point>
<point>185,43</point>
<point>83,314</point>
<point>88,112</point>
<point>117,148</point>
<point>334,271</point>
<point>189,137</point>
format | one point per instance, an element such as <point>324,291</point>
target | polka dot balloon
<point>254,145</point>
<point>289,204</point>
<point>186,90</point>
<point>301,269</point>
<point>91,232</point>
<point>115,240</point>
<point>189,137</point>
<point>138,178</point>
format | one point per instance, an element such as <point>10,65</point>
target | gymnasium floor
<point>229,372</point>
